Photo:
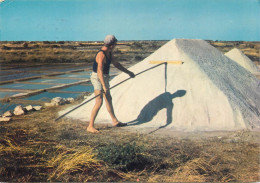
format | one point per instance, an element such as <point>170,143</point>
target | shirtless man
<point>100,81</point>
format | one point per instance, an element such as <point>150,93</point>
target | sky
<point>92,20</point>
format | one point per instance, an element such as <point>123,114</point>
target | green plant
<point>124,156</point>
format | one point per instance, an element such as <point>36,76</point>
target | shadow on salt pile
<point>160,102</point>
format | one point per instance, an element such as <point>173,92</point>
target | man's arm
<point>121,68</point>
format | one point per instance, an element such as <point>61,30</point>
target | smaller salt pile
<point>239,57</point>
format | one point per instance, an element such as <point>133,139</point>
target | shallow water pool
<point>79,88</point>
<point>19,76</point>
<point>75,76</point>
<point>25,86</point>
<point>61,81</point>
<point>7,94</point>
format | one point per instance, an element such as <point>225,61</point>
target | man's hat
<point>110,40</point>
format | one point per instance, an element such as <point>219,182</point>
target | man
<point>100,81</point>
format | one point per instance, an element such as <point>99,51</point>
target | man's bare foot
<point>118,124</point>
<point>115,122</point>
<point>92,130</point>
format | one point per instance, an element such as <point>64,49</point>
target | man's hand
<point>107,94</point>
<point>105,90</point>
<point>121,68</point>
<point>131,74</point>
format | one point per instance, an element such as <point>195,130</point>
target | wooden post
<point>168,62</point>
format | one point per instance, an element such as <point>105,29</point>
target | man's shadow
<point>154,106</point>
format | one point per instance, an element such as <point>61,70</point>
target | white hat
<point>110,40</point>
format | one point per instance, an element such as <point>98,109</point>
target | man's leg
<point>110,108</point>
<point>94,112</point>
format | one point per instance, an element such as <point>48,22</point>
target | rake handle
<point>103,92</point>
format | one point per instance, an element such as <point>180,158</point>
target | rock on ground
<point>8,114</point>
<point>5,119</point>
<point>58,101</point>
<point>37,108</point>
<point>69,100</point>
<point>29,108</point>
<point>19,110</point>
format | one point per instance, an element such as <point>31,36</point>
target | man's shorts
<point>96,82</point>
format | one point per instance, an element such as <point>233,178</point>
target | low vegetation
<point>35,148</point>
<point>78,52</point>
<point>70,52</point>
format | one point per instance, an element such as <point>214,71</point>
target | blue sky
<point>91,20</point>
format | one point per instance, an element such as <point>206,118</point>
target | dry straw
<point>73,160</point>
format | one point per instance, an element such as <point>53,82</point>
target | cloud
<point>2,1</point>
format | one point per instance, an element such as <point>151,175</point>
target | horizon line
<point>126,40</point>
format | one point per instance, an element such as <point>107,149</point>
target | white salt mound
<point>208,92</point>
<point>239,57</point>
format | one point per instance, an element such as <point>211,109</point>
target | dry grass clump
<point>203,170</point>
<point>18,162</point>
<point>215,161</point>
<point>71,162</point>
<point>7,146</point>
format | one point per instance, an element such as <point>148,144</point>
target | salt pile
<point>208,92</point>
<point>239,57</point>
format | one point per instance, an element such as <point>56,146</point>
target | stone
<point>70,100</point>
<point>5,119</point>
<point>8,114</point>
<point>58,101</point>
<point>49,104</point>
<point>19,110</point>
<point>37,108</point>
<point>29,108</point>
